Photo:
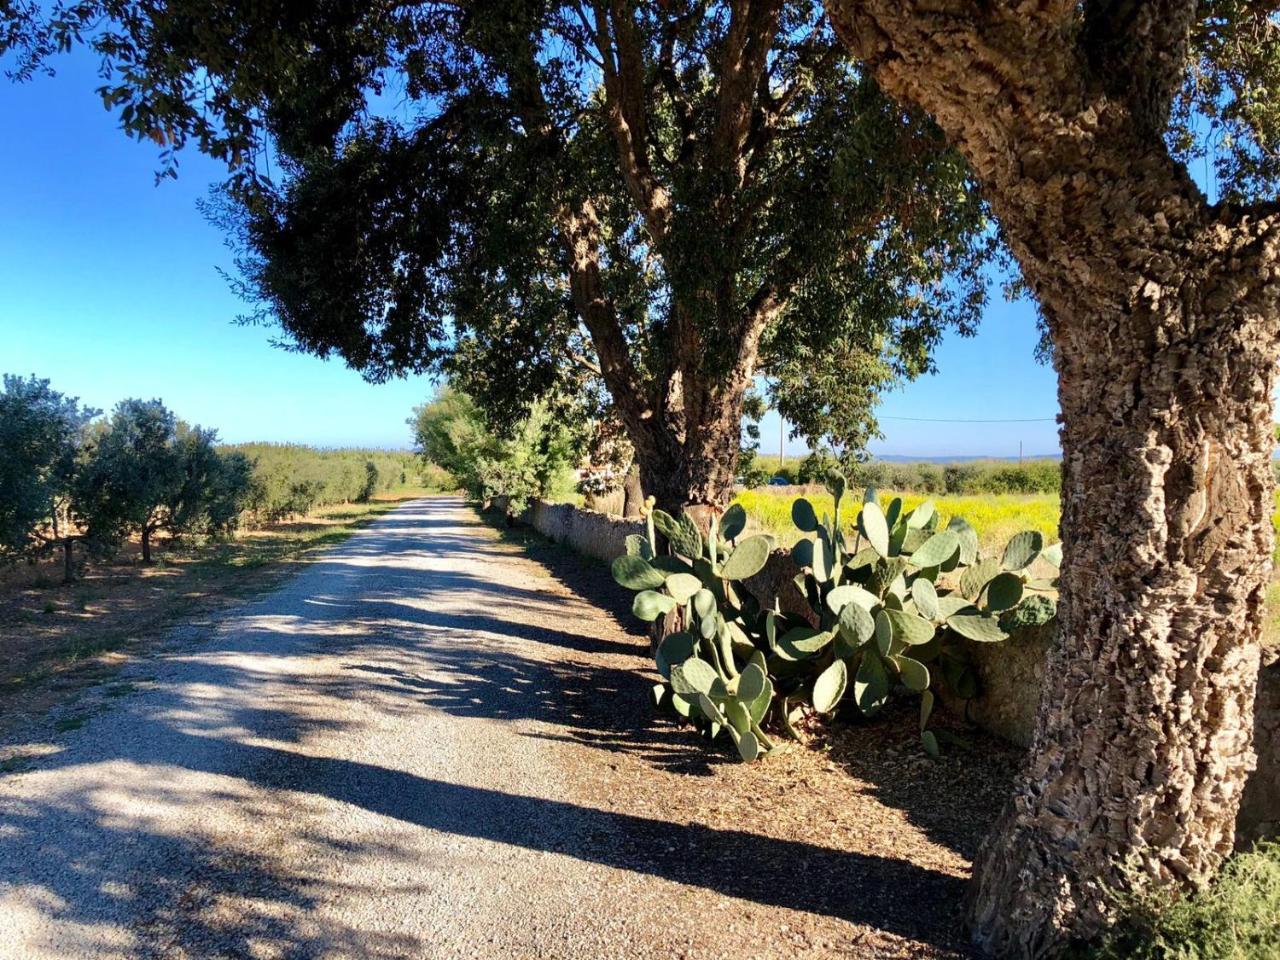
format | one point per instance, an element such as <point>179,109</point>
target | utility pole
<point>1019,453</point>
<point>782,439</point>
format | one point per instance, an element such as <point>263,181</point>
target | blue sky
<point>110,289</point>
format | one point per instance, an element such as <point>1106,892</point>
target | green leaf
<point>925,595</point>
<point>665,523</point>
<point>822,560</point>
<point>760,705</point>
<point>936,550</point>
<point>675,648</point>
<point>830,686</point>
<point>682,586</point>
<point>708,625</point>
<point>920,517</point>
<point>650,605</point>
<point>914,674</point>
<point>930,743</point>
<point>751,682</point>
<point>687,540</point>
<point>747,559</point>
<point>1004,592</point>
<point>669,564</point>
<point>747,744</point>
<point>636,573</point>
<point>884,632</point>
<point>926,708</point>
<point>693,677</point>
<point>733,522</point>
<point>895,510</point>
<point>710,710</point>
<point>951,604</point>
<point>1033,611</point>
<point>1053,554</point>
<point>968,540</point>
<point>870,684</point>
<point>739,716</point>
<point>803,516</point>
<point>638,546</point>
<point>1022,550</point>
<point>704,603</point>
<point>848,593</point>
<point>978,576</point>
<point>909,628</point>
<point>863,558</point>
<point>874,527</point>
<point>800,642</point>
<point>977,626</point>
<point>856,624</point>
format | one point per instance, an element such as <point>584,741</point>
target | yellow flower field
<point>995,517</point>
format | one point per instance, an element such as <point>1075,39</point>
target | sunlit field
<point>996,517</point>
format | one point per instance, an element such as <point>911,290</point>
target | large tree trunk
<point>632,493</point>
<point>1163,315</point>
<point>68,561</point>
<point>1143,740</point>
<point>694,473</point>
<point>146,544</point>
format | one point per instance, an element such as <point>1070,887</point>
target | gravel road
<point>427,745</point>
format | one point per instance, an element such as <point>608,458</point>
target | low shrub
<point>1235,918</point>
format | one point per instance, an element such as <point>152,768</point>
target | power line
<point>933,420</point>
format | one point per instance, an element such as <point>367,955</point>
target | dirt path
<point>427,745</point>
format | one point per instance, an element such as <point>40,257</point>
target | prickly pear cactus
<point>893,598</point>
<point>893,605</point>
<point>712,673</point>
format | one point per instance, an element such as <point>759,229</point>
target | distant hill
<point>896,458</point>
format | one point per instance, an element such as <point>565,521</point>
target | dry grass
<point>48,627</point>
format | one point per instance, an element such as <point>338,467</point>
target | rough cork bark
<point>1163,313</point>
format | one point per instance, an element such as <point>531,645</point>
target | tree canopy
<point>42,434</point>
<point>664,200</point>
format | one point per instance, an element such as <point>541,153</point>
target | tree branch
<point>1137,49</point>
<point>618,40</point>
<point>743,57</point>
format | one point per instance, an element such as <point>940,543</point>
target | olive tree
<point>42,444</point>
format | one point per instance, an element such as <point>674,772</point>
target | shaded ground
<point>428,745</point>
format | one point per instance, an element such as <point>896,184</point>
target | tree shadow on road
<point>241,707</point>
